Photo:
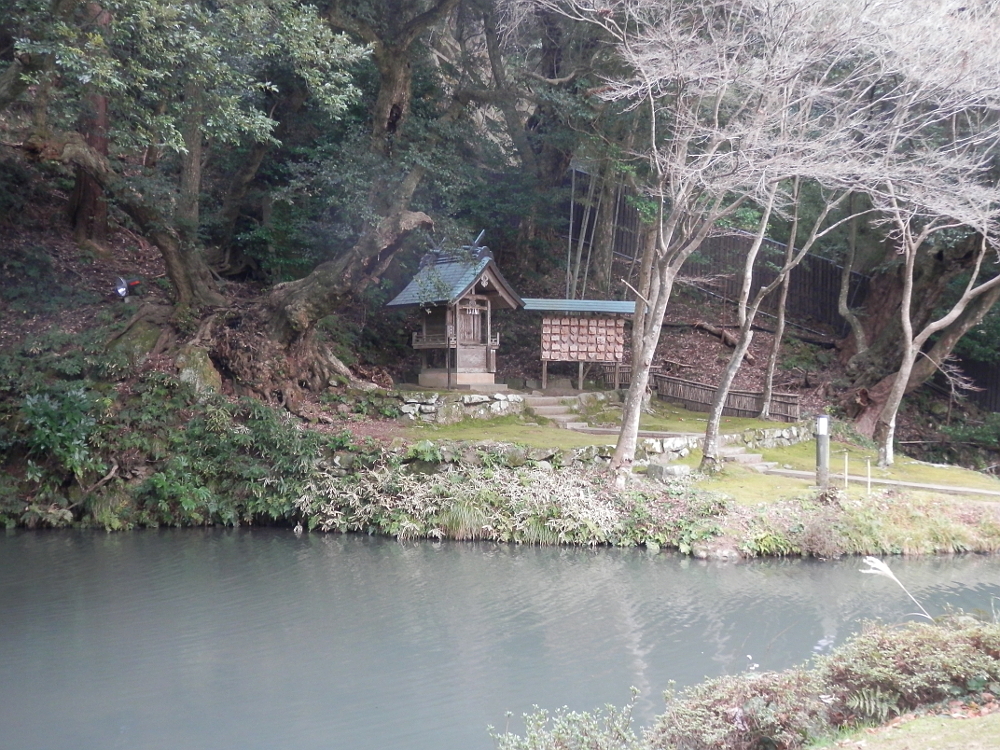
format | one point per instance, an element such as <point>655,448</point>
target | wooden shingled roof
<point>445,278</point>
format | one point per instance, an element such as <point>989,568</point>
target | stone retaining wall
<point>673,448</point>
<point>451,408</point>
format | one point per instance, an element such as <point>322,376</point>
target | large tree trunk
<point>274,352</point>
<point>187,214</point>
<point>646,328</point>
<point>873,371</point>
<point>88,209</point>
<point>298,305</point>
<point>604,232</point>
<point>933,272</point>
<point>869,403</point>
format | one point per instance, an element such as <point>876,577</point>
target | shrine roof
<point>619,307</point>
<point>444,278</point>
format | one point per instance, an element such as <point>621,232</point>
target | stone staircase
<point>562,410</point>
<point>739,455</point>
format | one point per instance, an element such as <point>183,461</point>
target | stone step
<point>534,401</point>
<point>743,458</point>
<point>552,411</point>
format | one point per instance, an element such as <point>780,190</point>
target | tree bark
<point>772,359</point>
<point>932,273</point>
<point>298,305</point>
<point>843,306</point>
<point>604,232</point>
<point>187,213</point>
<point>711,460</point>
<point>391,54</point>
<point>88,208</point>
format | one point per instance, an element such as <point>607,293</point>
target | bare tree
<point>742,95</point>
<point>913,233</point>
<point>748,312</point>
<point>779,327</point>
<point>739,96</point>
<point>936,187</point>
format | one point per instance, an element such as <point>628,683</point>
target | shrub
<point>609,729</point>
<point>898,669</point>
<point>753,711</point>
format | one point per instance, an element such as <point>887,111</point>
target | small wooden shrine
<point>458,292</point>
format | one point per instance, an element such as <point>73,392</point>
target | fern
<point>872,704</point>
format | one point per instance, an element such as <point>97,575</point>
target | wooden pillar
<point>579,378</point>
<point>545,374</point>
<point>448,329</point>
<point>491,365</point>
<point>618,375</point>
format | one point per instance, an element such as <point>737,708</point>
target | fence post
<point>822,451</point>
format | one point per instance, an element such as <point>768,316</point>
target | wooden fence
<point>813,287</point>
<point>987,377</point>
<point>699,396</point>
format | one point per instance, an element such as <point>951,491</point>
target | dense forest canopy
<point>311,148</point>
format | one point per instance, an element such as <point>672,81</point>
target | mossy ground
<point>532,432</point>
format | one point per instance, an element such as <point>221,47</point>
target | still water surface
<point>260,639</point>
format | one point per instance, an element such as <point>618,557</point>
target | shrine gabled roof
<point>446,278</point>
<point>618,307</point>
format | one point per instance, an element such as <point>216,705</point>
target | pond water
<point>250,639</point>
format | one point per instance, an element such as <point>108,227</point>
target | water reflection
<point>261,639</point>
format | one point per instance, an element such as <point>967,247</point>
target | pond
<point>249,639</point>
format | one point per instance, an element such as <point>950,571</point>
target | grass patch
<point>749,487</point>
<point>511,429</point>
<point>938,732</point>
<point>802,457</point>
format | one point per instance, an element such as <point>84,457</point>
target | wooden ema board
<point>567,339</point>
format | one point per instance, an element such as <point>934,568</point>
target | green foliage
<point>149,53</point>
<point>17,185</point>
<point>151,452</point>
<point>59,426</point>
<point>878,673</point>
<point>607,729</point>
<point>424,450</point>
<point>872,705</point>
<point>889,671</point>
<point>744,218</point>
<point>216,461</point>
<point>753,711</point>
<point>797,354</point>
<point>423,497</point>
<point>985,433</point>
<point>980,343</point>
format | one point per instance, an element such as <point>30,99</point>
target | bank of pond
<point>505,493</point>
<point>154,452</point>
